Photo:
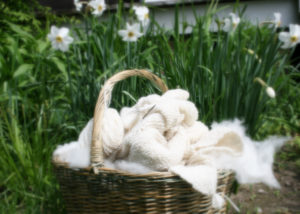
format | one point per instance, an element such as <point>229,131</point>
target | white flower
<point>59,38</point>
<point>78,5</point>
<point>292,38</point>
<point>98,5</point>
<point>131,33</point>
<point>142,14</point>
<point>270,92</point>
<point>277,19</point>
<point>231,23</point>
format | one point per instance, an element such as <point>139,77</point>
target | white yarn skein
<point>176,94</point>
<point>77,154</point>
<point>112,131</point>
<point>129,117</point>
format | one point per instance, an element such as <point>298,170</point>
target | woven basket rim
<point>106,170</point>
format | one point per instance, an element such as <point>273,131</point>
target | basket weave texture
<point>97,189</point>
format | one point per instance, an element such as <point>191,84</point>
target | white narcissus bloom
<point>292,38</point>
<point>78,5</point>
<point>277,19</point>
<point>142,14</point>
<point>59,38</point>
<point>98,5</point>
<point>231,23</point>
<point>131,33</point>
<point>270,92</point>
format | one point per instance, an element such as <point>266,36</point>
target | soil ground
<point>260,198</point>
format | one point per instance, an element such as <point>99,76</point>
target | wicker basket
<point>101,190</point>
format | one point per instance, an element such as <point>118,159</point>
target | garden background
<point>48,95</point>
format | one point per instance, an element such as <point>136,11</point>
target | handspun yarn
<point>77,153</point>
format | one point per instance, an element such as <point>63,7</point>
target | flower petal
<point>286,45</point>
<point>138,34</point>
<point>64,47</point>
<point>128,26</point>
<point>132,39</point>
<point>296,30</point>
<point>54,45</point>
<point>68,40</point>
<point>54,30</point>
<point>270,92</point>
<point>227,25</point>
<point>135,26</point>
<point>51,37</point>
<point>284,36</point>
<point>63,32</point>
<point>277,17</point>
<point>122,33</point>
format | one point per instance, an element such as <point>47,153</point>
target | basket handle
<point>103,102</point>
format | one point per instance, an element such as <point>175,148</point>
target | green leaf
<point>18,30</point>
<point>41,46</point>
<point>22,69</point>
<point>61,66</point>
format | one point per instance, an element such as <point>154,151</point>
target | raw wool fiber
<point>254,165</point>
<point>226,146</point>
<point>161,133</point>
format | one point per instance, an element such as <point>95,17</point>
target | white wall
<point>257,11</point>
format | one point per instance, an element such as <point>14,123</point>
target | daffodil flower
<point>98,6</point>
<point>230,24</point>
<point>131,33</point>
<point>142,14</point>
<point>59,38</point>
<point>78,5</point>
<point>292,38</point>
<point>270,92</point>
<point>277,19</point>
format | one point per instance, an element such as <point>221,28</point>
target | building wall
<point>257,11</point>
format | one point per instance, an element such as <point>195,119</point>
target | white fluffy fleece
<point>254,165</point>
<point>74,154</point>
